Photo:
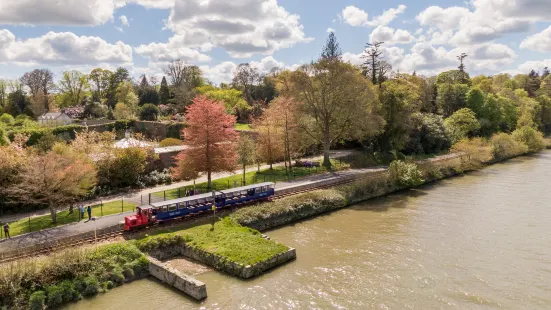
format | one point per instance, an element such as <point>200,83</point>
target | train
<point>168,210</point>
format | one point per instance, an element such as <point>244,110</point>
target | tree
<point>530,137</point>
<point>122,167</point>
<point>245,79</point>
<point>122,111</point>
<point>99,82</point>
<point>40,82</point>
<point>337,103</point>
<point>462,124</point>
<point>331,50</point>
<point>147,93</point>
<point>119,76</point>
<point>451,97</point>
<point>3,93</point>
<point>429,135</point>
<point>73,87</point>
<point>164,92</point>
<point>462,67</point>
<point>149,112</point>
<point>371,65</point>
<point>232,99</point>
<point>533,83</point>
<point>211,140</point>
<point>13,160</point>
<point>245,154</point>
<point>55,179</point>
<point>453,77</point>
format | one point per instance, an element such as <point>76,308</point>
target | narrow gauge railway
<point>170,210</point>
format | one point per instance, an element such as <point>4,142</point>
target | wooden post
<point>164,195</point>
<point>122,205</point>
<point>101,206</point>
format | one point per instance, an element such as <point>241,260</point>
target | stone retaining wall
<point>176,279</point>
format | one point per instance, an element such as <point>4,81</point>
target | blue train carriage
<point>245,194</point>
<point>180,207</point>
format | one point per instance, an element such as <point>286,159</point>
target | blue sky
<point>511,36</point>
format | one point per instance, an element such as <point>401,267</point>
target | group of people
<point>88,209</point>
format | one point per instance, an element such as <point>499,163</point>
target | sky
<point>512,36</point>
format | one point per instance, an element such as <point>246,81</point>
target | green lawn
<point>242,127</point>
<point>277,174</point>
<point>64,217</point>
<point>228,239</point>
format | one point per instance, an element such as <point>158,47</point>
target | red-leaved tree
<point>210,138</point>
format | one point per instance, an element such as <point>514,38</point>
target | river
<point>476,241</point>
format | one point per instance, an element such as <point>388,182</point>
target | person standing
<point>89,209</point>
<point>81,209</point>
<point>7,230</point>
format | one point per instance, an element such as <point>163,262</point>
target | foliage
<point>462,124</point>
<point>36,301</point>
<point>170,142</point>
<point>405,174</point>
<point>164,92</point>
<point>477,152</point>
<point>7,119</point>
<point>429,135</point>
<point>451,98</point>
<point>149,112</point>
<point>245,153</point>
<point>210,137</point>
<point>532,138</point>
<point>155,178</point>
<point>232,99</point>
<point>123,167</point>
<point>505,146</point>
<point>73,87</point>
<point>122,111</point>
<point>95,110</point>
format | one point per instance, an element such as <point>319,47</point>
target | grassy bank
<point>228,240</point>
<point>69,276</point>
<point>277,174</point>
<point>37,223</point>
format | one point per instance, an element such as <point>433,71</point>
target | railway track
<point>57,246</point>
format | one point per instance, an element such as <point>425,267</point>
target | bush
<point>530,137</point>
<point>36,301</point>
<point>95,110</point>
<point>477,152</point>
<point>461,124</point>
<point>69,291</point>
<point>116,276</point>
<point>155,178</point>
<point>175,130</point>
<point>7,119</point>
<point>89,286</point>
<point>505,146</point>
<point>4,140</point>
<point>124,169</point>
<point>170,142</point>
<point>149,112</point>
<point>55,295</point>
<point>405,174</point>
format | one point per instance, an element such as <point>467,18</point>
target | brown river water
<point>471,242</point>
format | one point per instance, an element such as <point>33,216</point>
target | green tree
<point>164,92</point>
<point>451,97</point>
<point>73,87</point>
<point>232,99</point>
<point>124,168</point>
<point>462,124</point>
<point>149,112</point>
<point>530,137</point>
<point>99,83</point>
<point>245,153</point>
<point>453,77</point>
<point>122,111</point>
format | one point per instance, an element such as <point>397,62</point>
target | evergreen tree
<point>533,84</point>
<point>331,50</point>
<point>164,92</point>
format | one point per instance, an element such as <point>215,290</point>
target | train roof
<point>207,195</point>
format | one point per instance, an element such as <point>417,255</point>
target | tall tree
<point>331,50</point>
<point>119,76</point>
<point>337,103</point>
<point>462,66</point>
<point>3,93</point>
<point>55,179</point>
<point>245,154</point>
<point>40,82</point>
<point>73,87</point>
<point>164,92</point>
<point>533,84</point>
<point>147,93</point>
<point>245,79</point>
<point>211,140</point>
<point>372,60</point>
<point>99,83</point>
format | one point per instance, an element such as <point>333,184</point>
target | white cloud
<point>535,10</point>
<point>329,30</point>
<point>242,28</point>
<point>266,64</point>
<point>62,48</point>
<point>537,65</point>
<point>156,4</point>
<point>354,16</point>
<point>124,20</point>
<point>387,16</point>
<point>176,48</point>
<point>59,12</point>
<point>355,59</point>
<point>444,19</point>
<point>540,42</point>
<point>391,36</point>
<point>221,73</point>
<point>119,29</point>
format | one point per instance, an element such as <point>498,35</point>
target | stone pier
<point>176,279</point>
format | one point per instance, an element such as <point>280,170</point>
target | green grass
<point>277,174</point>
<point>242,127</point>
<point>228,239</point>
<point>64,217</point>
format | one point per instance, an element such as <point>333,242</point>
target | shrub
<point>90,286</point>
<point>122,111</point>
<point>532,138</point>
<point>95,110</point>
<point>170,142</point>
<point>69,291</point>
<point>477,152</point>
<point>505,146</point>
<point>462,124</point>
<point>55,295</point>
<point>7,119</point>
<point>4,140</point>
<point>36,301</point>
<point>123,169</point>
<point>149,112</point>
<point>155,178</point>
<point>405,174</point>
<point>116,275</point>
<point>175,130</point>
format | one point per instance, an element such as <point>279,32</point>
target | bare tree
<point>245,78</point>
<point>384,69</point>
<point>40,82</point>
<point>372,55</point>
<point>176,70</point>
<point>462,66</point>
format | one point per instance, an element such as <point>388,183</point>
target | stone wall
<point>176,279</point>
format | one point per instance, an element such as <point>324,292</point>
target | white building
<point>54,119</point>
